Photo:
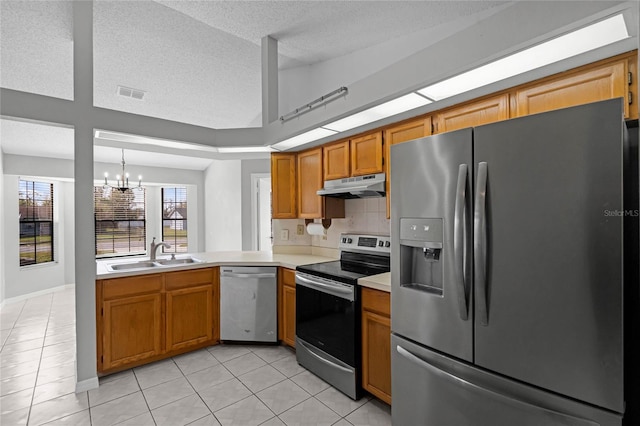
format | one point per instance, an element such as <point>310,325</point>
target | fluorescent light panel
<point>583,40</point>
<point>303,138</point>
<point>241,149</point>
<point>387,109</point>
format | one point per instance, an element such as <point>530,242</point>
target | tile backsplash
<point>364,215</point>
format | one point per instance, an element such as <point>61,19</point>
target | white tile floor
<point>221,385</point>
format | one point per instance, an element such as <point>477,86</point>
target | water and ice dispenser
<point>421,254</point>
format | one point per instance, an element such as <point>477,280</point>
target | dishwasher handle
<point>249,275</point>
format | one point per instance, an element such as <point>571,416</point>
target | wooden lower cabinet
<point>132,330</point>
<point>376,343</point>
<point>287,306</point>
<point>149,317</point>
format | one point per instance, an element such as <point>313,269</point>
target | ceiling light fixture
<point>122,181</point>
<point>322,100</point>
<point>310,136</point>
<point>387,109</point>
<point>244,149</point>
<point>588,38</point>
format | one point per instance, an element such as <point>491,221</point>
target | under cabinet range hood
<point>355,187</point>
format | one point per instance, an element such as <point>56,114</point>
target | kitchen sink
<point>145,264</point>
<point>133,265</point>
<point>180,261</point>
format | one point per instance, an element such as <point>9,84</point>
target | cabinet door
<point>189,317</point>
<point>474,114</point>
<point>402,133</point>
<point>586,86</point>
<point>287,306</point>
<point>376,343</point>
<point>283,186</point>
<point>132,330</point>
<point>289,309</point>
<point>366,154</point>
<point>309,182</point>
<point>376,355</point>
<point>336,160</point>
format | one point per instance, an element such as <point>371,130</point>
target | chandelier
<point>122,181</point>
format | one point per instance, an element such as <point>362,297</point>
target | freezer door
<point>431,294</point>
<point>430,389</point>
<point>548,240</point>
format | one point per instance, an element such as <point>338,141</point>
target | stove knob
<point>380,243</point>
<point>344,240</point>
<point>387,244</point>
<point>349,240</point>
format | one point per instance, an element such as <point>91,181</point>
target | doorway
<point>261,238</point>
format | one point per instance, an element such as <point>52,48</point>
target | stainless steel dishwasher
<point>248,303</point>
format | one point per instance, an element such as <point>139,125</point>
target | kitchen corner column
<point>269,80</point>
<point>85,270</point>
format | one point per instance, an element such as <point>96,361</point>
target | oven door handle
<point>319,358</point>
<point>324,287</point>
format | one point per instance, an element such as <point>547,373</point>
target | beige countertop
<point>247,258</point>
<point>378,282</point>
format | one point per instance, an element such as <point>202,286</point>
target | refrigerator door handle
<point>480,243</point>
<point>493,392</point>
<point>459,244</point>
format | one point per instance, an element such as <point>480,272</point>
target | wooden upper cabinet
<point>402,133</point>
<point>473,114</point>
<point>283,186</point>
<point>366,154</point>
<point>309,182</point>
<point>336,160</point>
<point>584,86</point>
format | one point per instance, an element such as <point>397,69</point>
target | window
<point>174,219</point>
<point>120,221</point>
<point>35,202</point>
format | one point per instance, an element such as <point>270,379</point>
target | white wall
<point>223,206</point>
<point>20,281</point>
<point>28,279</point>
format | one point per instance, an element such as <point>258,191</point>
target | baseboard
<point>87,385</point>
<point>22,297</point>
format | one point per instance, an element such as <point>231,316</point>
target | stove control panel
<point>365,242</point>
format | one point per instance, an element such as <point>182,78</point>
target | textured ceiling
<point>314,31</point>
<point>199,61</point>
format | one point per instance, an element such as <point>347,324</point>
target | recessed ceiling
<point>39,140</point>
<point>199,62</point>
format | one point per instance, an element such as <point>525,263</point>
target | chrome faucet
<point>154,248</point>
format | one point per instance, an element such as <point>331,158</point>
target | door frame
<point>255,194</point>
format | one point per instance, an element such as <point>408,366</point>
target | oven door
<point>327,316</point>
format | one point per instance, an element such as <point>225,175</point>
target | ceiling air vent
<point>128,92</point>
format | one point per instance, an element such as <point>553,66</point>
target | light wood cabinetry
<point>149,317</point>
<point>287,306</point>
<point>472,114</point>
<point>576,88</point>
<point>189,308</point>
<point>311,205</point>
<point>376,343</point>
<point>283,186</point>
<point>366,154</point>
<point>401,133</point>
<point>336,160</point>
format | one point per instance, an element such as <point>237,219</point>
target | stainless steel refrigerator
<point>507,272</point>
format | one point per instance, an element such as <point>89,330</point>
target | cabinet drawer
<point>130,286</point>
<point>181,279</point>
<point>376,301</point>
<point>288,277</point>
